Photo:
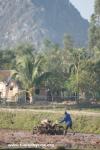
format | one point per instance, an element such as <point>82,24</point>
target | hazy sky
<point>86,7</point>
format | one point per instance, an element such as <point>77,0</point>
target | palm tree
<point>29,72</point>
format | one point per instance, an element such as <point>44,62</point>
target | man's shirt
<point>67,118</point>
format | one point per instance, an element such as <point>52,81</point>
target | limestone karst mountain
<point>35,20</point>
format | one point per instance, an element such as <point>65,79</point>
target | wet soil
<point>25,139</point>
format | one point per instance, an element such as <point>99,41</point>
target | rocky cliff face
<point>35,20</point>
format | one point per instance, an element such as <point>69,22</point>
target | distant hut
<point>9,89</point>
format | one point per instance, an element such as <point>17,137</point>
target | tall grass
<point>26,120</point>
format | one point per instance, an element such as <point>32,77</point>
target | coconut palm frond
<point>42,77</point>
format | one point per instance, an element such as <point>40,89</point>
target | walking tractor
<point>48,127</point>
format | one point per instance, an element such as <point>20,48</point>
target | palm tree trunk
<point>31,98</point>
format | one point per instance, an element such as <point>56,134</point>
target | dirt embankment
<point>24,139</point>
<point>75,112</point>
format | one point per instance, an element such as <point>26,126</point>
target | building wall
<point>9,92</point>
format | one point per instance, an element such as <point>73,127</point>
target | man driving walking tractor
<point>68,121</point>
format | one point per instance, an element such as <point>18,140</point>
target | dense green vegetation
<point>94,33</point>
<point>58,69</point>
<point>26,120</point>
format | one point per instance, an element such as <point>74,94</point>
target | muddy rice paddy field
<point>25,139</point>
<point>16,130</point>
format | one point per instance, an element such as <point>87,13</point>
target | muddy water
<point>24,139</point>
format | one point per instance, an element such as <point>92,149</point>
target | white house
<point>8,91</point>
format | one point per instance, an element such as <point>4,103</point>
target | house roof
<point>4,74</point>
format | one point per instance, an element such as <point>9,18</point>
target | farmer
<point>68,121</point>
